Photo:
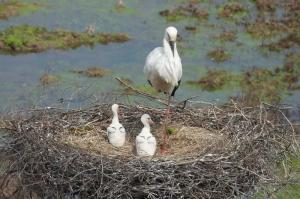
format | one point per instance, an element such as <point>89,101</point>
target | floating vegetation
<point>189,10</point>
<point>47,79</point>
<point>25,38</point>
<point>232,11</point>
<point>92,72</point>
<point>14,8</point>
<point>266,29</point>
<point>215,80</point>
<point>219,55</point>
<point>226,36</point>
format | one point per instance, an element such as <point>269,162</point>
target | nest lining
<point>242,147</point>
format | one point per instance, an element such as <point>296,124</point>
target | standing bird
<point>145,142</point>
<point>163,66</point>
<point>115,131</point>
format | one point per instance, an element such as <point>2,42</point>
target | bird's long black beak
<point>172,46</point>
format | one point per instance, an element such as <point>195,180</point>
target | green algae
<point>25,39</point>
<point>15,8</point>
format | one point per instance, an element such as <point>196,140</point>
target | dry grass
<point>186,141</point>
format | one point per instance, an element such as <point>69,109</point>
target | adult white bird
<point>145,142</point>
<point>163,66</point>
<point>115,131</point>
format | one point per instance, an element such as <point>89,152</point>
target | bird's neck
<point>115,117</point>
<point>146,128</point>
<point>168,49</point>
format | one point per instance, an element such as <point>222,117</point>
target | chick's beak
<point>151,121</point>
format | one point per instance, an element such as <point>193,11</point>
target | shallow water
<point>19,75</point>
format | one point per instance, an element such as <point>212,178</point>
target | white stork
<point>145,142</point>
<point>163,66</point>
<point>116,132</point>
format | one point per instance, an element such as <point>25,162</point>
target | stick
<point>160,100</point>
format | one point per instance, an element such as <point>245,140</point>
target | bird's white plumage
<point>163,66</point>
<point>145,142</point>
<point>115,131</point>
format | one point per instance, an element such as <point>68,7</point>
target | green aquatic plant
<point>25,38</point>
<point>14,8</point>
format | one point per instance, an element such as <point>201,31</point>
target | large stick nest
<point>255,139</point>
